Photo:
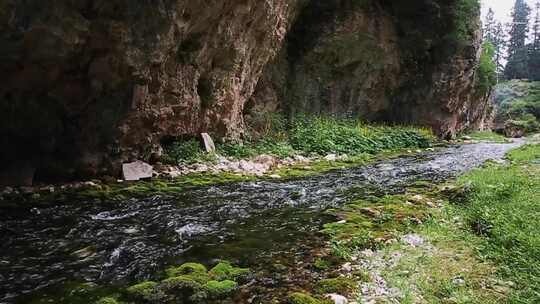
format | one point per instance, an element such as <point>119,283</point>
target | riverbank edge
<point>422,245</point>
<point>102,190</point>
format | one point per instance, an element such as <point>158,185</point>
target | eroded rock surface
<point>89,85</point>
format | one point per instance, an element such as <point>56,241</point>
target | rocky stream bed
<point>265,225</point>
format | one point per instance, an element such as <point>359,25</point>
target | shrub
<point>486,76</point>
<point>310,135</point>
<point>186,152</point>
<point>465,13</point>
<point>323,135</point>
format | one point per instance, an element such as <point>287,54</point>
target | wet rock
<point>413,240</point>
<point>459,281</point>
<point>370,212</point>
<point>266,160</point>
<point>337,299</point>
<point>156,153</point>
<point>85,252</point>
<point>137,170</point>
<point>7,190</point>
<point>49,189</point>
<point>347,267</point>
<point>331,157</point>
<point>27,190</point>
<point>514,130</point>
<point>208,143</point>
<point>302,159</point>
<point>90,184</point>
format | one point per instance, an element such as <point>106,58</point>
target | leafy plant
<point>186,152</point>
<point>486,76</point>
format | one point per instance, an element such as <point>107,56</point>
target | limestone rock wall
<point>89,84</point>
<point>391,61</point>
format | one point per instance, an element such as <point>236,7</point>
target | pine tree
<point>536,28</point>
<point>489,26</point>
<point>534,55</point>
<point>499,45</point>
<point>518,53</point>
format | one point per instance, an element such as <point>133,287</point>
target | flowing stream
<point>249,223</point>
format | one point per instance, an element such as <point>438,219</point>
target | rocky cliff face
<point>88,84</point>
<point>405,62</point>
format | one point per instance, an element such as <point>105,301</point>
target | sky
<point>502,8</point>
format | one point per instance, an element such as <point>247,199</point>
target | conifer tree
<point>499,45</point>
<point>518,53</point>
<point>534,55</point>
<point>489,26</point>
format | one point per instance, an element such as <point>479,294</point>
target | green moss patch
<point>189,283</point>
<point>187,269</point>
<point>304,298</point>
<point>107,300</point>
<point>339,285</point>
<point>217,288</point>
<point>368,222</point>
<point>225,271</point>
<point>143,291</point>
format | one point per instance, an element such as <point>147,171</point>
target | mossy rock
<point>335,285</point>
<point>303,298</point>
<point>188,283</point>
<point>107,300</point>
<point>218,289</point>
<point>195,271</point>
<point>322,264</point>
<point>184,288</point>
<point>146,291</point>
<point>225,271</point>
<point>180,283</point>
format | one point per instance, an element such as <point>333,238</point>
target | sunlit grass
<point>504,208</point>
<point>488,136</point>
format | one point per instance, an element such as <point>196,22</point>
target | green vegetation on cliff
<point>466,13</point>
<point>486,76</point>
<point>309,135</point>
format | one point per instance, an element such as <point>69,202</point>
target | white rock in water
<point>209,145</point>
<point>338,299</point>
<point>137,170</point>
